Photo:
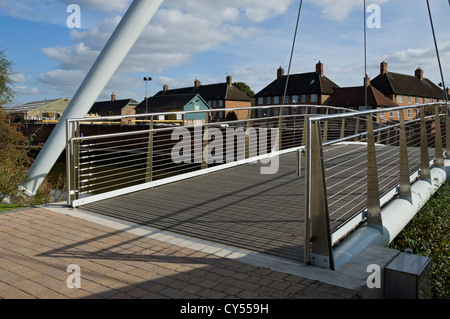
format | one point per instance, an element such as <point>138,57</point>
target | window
<point>400,98</point>
<point>417,100</point>
<point>260,101</point>
<point>179,116</point>
<point>286,100</point>
<point>268,100</point>
<point>275,112</point>
<point>409,113</point>
<point>409,99</point>
<point>276,100</point>
<point>260,113</point>
<point>382,114</point>
<point>431,100</point>
<point>295,99</point>
<point>220,103</point>
<point>391,114</point>
<point>303,98</point>
<point>313,98</point>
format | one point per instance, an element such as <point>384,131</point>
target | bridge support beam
<point>393,222</point>
<point>122,40</point>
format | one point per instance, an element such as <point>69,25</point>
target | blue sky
<point>208,40</point>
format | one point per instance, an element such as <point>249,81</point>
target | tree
<point>14,159</point>
<point>6,92</point>
<point>244,88</point>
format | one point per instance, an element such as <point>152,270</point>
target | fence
<point>355,162</point>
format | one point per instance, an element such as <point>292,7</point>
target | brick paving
<point>37,246</point>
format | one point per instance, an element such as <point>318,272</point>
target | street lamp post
<point>146,79</point>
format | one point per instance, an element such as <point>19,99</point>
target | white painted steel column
<point>122,40</point>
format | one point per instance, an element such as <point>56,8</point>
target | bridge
<point>310,184</point>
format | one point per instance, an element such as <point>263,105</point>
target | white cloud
<point>340,10</point>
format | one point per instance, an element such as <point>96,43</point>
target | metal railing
<point>104,165</point>
<point>356,162</point>
<point>348,180</point>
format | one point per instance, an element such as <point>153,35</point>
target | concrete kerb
<point>353,275</point>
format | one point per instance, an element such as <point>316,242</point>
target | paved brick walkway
<point>37,246</point>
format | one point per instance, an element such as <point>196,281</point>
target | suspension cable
<point>437,51</point>
<point>292,52</point>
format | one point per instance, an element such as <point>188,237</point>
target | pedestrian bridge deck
<point>243,208</point>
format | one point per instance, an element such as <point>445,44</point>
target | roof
<point>302,83</point>
<point>36,104</point>
<point>166,102</point>
<point>210,92</point>
<point>355,96</point>
<point>397,83</point>
<point>106,106</point>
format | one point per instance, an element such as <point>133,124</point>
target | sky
<point>210,39</point>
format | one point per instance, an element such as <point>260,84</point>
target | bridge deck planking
<point>242,208</point>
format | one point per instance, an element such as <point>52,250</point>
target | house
<point>175,102</point>
<point>218,96</point>
<point>406,89</point>
<point>354,98</point>
<point>312,88</point>
<point>40,111</point>
<point>114,107</point>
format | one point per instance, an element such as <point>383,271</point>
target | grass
<point>428,234</point>
<point>6,207</point>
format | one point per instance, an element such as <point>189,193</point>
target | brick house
<point>354,97</point>
<point>218,96</point>
<point>114,107</point>
<point>176,102</point>
<point>406,89</point>
<point>312,88</point>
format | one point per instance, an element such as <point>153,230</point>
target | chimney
<point>419,73</point>
<point>197,83</point>
<point>366,81</point>
<point>113,97</point>
<point>383,68</point>
<point>165,87</point>
<point>229,80</point>
<point>319,68</point>
<point>280,72</point>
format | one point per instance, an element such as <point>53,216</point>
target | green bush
<point>428,234</point>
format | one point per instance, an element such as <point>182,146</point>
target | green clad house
<point>174,103</point>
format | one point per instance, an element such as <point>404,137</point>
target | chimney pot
<point>419,73</point>
<point>165,87</point>
<point>280,72</point>
<point>383,68</point>
<point>197,83</point>
<point>229,80</point>
<point>113,96</point>
<point>319,68</point>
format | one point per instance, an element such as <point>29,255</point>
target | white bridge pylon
<point>120,43</point>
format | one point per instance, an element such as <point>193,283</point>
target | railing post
<point>447,132</point>
<point>438,137</point>
<point>318,247</point>
<point>247,135</point>
<point>280,122</point>
<point>149,167</point>
<point>373,192</point>
<point>356,129</point>
<point>205,144</point>
<point>343,128</point>
<point>425,172</point>
<point>325,129</point>
<point>405,184</point>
